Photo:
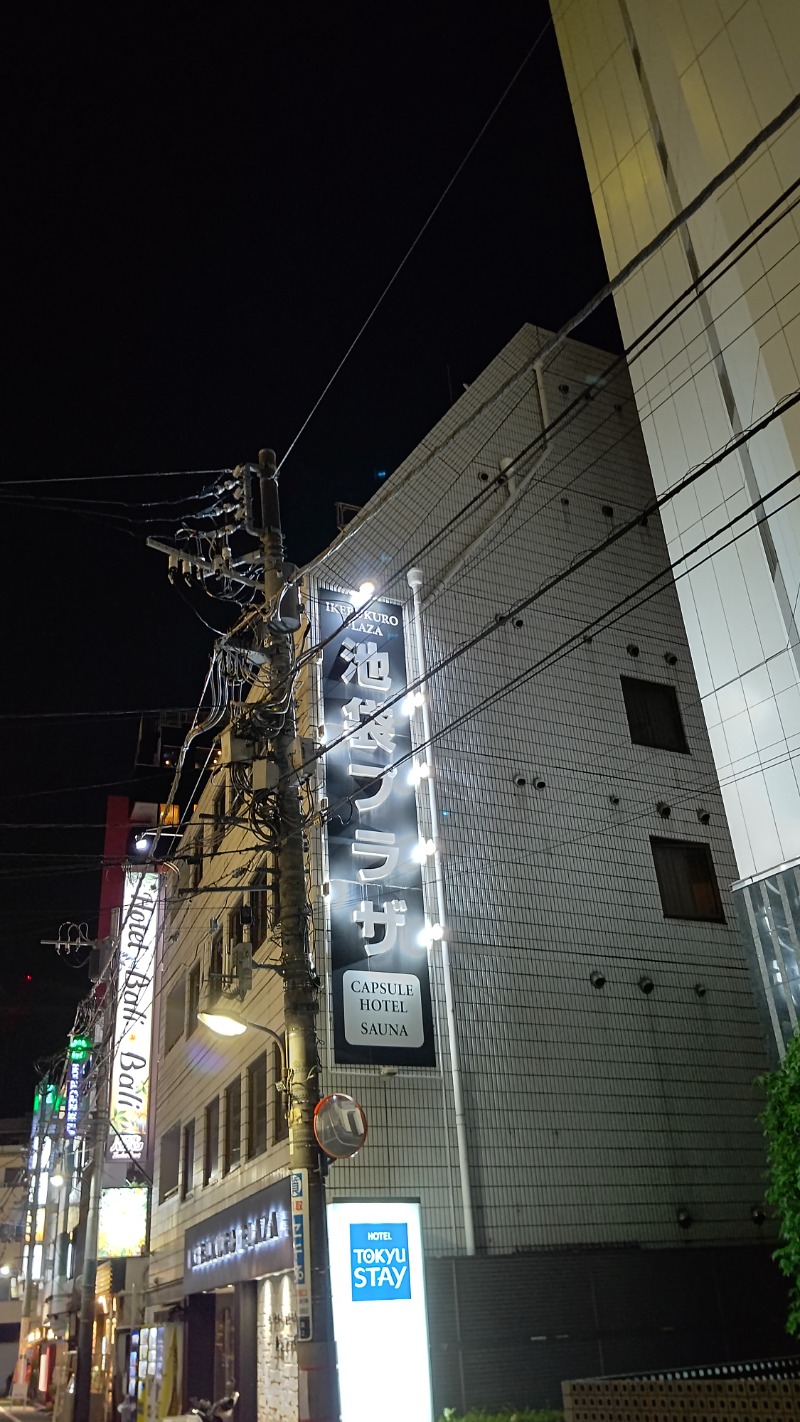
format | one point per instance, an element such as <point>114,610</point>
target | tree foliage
<point>781,1122</point>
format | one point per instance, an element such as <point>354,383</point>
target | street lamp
<point>227,1020</point>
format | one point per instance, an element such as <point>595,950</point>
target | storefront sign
<point>301,1245</point>
<point>72,1109</point>
<point>122,1229</point>
<point>381,985</point>
<point>244,1241</point>
<point>378,1288</point>
<point>130,1079</point>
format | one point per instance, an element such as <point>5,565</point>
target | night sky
<point>201,209</point>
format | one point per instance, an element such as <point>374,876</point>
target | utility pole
<point>86,1317</point>
<point>316,1357</point>
<point>318,1387</point>
<point>20,1389</point>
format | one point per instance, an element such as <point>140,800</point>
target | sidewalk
<point>20,1411</point>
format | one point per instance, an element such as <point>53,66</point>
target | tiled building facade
<point>607,1034</point>
<point>665,97</point>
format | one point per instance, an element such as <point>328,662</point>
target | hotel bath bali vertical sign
<point>380,980</point>
<point>133,1028</point>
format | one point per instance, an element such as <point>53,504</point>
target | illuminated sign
<point>130,1079</point>
<point>74,1079</point>
<point>245,1241</point>
<point>379,963</point>
<point>122,1230</point>
<point>378,1289</point>
<point>80,1049</point>
<point>301,1247</point>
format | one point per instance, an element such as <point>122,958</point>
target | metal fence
<point>751,1392</point>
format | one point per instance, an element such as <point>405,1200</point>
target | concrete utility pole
<point>318,1388</point>
<point>85,1341</point>
<point>316,1358</point>
<point>20,1384</point>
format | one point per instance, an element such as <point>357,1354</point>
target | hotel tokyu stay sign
<point>381,985</point>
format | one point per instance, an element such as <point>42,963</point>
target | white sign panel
<point>379,1315</point>
<point>133,1032</point>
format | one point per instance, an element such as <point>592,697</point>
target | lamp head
<point>223,1021</point>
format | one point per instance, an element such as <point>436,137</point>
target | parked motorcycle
<point>219,1411</point>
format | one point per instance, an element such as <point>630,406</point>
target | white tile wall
<point>591,1115</point>
<point>710,76</point>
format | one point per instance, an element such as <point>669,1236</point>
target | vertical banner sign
<point>302,1259</point>
<point>133,1031</point>
<point>379,1312</point>
<point>74,1081</point>
<point>379,966</point>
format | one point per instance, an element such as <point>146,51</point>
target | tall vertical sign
<point>133,1029</point>
<point>379,1310</point>
<point>379,963</point>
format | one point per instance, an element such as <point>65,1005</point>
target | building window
<point>280,1125</point>
<point>654,714</point>
<point>195,858</point>
<point>216,964</point>
<point>13,1175</point>
<point>265,904</point>
<point>235,926</point>
<point>211,1144</point>
<point>686,880</point>
<point>176,1006</point>
<point>187,1179</point>
<point>170,1162</point>
<point>193,1001</point>
<point>257,1106</point>
<point>218,826</point>
<point>233,1124</point>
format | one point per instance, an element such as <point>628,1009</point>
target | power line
<point>103,478</point>
<point>572,643</point>
<point>652,333</point>
<point>582,559</point>
<point>426,224</point>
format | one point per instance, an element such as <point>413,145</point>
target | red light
<point>28,978</point>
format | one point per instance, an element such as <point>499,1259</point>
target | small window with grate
<point>654,715</point>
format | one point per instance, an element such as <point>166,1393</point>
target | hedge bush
<point>509,1414</point>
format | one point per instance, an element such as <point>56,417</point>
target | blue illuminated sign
<point>379,1262</point>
